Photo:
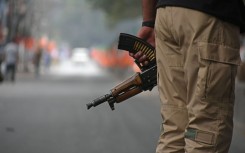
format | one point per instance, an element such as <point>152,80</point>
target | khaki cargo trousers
<point>197,58</point>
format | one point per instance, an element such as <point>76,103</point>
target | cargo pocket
<point>200,136</point>
<point>217,71</point>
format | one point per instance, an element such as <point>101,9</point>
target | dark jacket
<point>232,11</point>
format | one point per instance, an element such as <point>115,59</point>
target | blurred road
<point>49,115</point>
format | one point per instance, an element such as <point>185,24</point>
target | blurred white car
<point>80,55</point>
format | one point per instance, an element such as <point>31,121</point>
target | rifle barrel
<point>99,101</point>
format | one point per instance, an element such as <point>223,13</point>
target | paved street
<point>49,115</point>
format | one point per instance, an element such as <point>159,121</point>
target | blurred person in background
<point>2,44</point>
<point>1,63</point>
<point>47,60</point>
<point>11,56</point>
<point>197,52</point>
<point>37,60</point>
<point>241,69</point>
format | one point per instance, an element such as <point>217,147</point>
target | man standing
<point>197,52</point>
<point>37,60</point>
<point>11,59</point>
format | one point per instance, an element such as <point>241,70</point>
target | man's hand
<point>147,34</point>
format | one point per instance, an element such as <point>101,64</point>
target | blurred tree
<point>117,10</point>
<point>21,19</point>
<point>16,14</point>
<point>72,21</point>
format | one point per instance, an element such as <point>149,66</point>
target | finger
<point>146,63</point>
<point>138,55</point>
<point>143,58</point>
<point>131,54</point>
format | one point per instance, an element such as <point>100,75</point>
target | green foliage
<point>117,10</point>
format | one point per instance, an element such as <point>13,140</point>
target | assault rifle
<point>140,81</point>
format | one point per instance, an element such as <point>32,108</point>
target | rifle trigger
<point>112,106</point>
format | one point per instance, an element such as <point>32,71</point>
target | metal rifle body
<point>139,82</point>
